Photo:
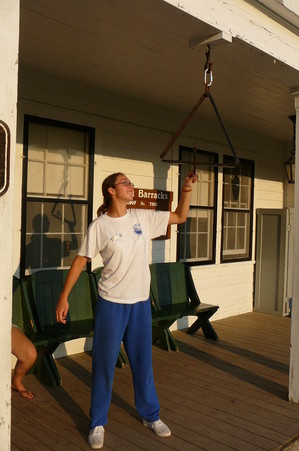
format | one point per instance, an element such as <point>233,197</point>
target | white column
<point>9,43</point>
<point>294,358</point>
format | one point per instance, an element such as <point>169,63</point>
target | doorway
<point>273,270</point>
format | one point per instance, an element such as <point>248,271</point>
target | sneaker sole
<point>96,446</point>
<point>168,434</point>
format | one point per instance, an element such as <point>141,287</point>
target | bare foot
<point>22,390</point>
<point>24,393</point>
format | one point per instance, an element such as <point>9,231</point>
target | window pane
<point>58,156</point>
<point>33,210</point>
<point>231,219</point>
<point>202,246</point>
<point>242,219</point>
<point>241,244</point>
<point>78,143</point>
<point>226,192</point>
<point>53,216</point>
<point>37,142</point>
<point>191,246</point>
<point>55,180</point>
<point>52,251</point>
<point>244,197</point>
<point>237,186</point>
<point>35,184</point>
<point>76,182</point>
<point>231,233</point>
<point>182,245</point>
<point>54,233</point>
<point>192,225</point>
<point>231,191</point>
<point>202,225</point>
<point>69,253</point>
<point>57,144</point>
<point>236,234</point>
<point>33,252</point>
<point>196,236</point>
<point>203,191</point>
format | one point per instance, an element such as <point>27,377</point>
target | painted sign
<point>4,157</point>
<point>152,199</point>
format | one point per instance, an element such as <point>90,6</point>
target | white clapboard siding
<point>228,285</point>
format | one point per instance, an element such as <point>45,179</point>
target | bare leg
<point>25,352</point>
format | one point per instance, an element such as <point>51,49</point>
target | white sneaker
<point>158,427</point>
<point>96,437</point>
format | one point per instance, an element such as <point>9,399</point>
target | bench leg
<point>166,340</point>
<point>171,341</point>
<point>46,371</point>
<point>122,360</point>
<point>207,328</point>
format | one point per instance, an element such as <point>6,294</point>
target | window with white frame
<point>196,237</point>
<point>57,192</point>
<point>237,211</point>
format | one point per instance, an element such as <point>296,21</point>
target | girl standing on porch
<point>123,310</point>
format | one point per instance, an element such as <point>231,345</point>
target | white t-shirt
<point>124,246</point>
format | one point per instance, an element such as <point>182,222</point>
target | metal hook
<point>208,71</point>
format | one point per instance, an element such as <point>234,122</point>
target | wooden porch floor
<point>225,395</point>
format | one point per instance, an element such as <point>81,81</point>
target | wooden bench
<point>42,290</point>
<point>173,296</point>
<point>22,316</point>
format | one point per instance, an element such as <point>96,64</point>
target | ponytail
<point>109,182</point>
<point>102,209</point>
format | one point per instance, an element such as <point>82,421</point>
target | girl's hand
<point>62,309</point>
<point>190,179</point>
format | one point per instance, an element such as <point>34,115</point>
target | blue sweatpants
<point>130,323</point>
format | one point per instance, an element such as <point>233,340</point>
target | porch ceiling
<point>140,49</point>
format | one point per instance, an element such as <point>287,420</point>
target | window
<point>237,211</point>
<point>196,238</point>
<point>57,192</point>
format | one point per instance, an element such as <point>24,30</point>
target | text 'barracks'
<point>144,194</point>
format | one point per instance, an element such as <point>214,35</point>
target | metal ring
<point>207,71</point>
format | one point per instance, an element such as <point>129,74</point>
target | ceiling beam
<point>202,40</point>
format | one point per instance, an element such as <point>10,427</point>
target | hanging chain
<point>208,74</point>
